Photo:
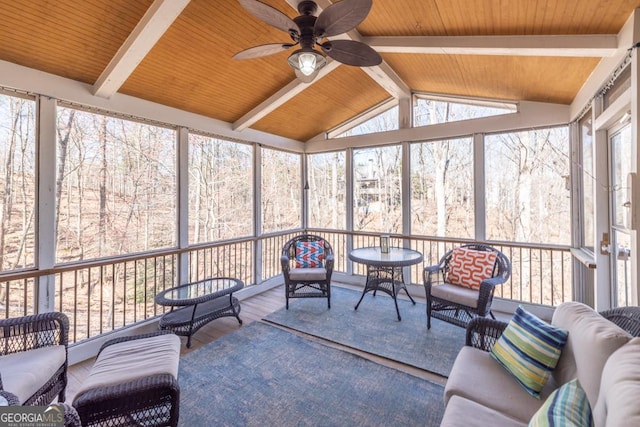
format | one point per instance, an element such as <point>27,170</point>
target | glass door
<point>620,166</point>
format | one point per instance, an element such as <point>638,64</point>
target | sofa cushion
<point>529,349</point>
<point>592,339</point>
<point>567,406</point>
<point>617,404</point>
<point>468,267</point>
<point>461,412</point>
<point>306,274</point>
<point>25,372</point>
<point>458,294</point>
<point>478,377</point>
<point>309,254</point>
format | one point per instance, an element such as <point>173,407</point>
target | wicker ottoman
<point>133,382</point>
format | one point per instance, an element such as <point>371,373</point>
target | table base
<point>389,280</point>
<point>186,320</point>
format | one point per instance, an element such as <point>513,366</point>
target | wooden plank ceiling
<point>190,67</point>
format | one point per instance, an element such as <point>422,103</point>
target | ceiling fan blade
<point>341,17</point>
<point>262,50</point>
<point>270,15</point>
<point>351,52</point>
<point>306,79</point>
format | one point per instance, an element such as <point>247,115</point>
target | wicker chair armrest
<point>125,398</point>
<point>39,330</point>
<point>284,260</point>
<point>427,272</point>
<point>628,318</point>
<point>494,281</point>
<point>486,294</point>
<point>483,332</point>
<point>433,268</point>
<point>329,261</point>
<point>132,337</point>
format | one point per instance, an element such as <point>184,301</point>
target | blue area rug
<point>262,375</point>
<point>375,328</point>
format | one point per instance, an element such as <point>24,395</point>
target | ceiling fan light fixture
<point>307,61</point>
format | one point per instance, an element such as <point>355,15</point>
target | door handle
<point>605,245</point>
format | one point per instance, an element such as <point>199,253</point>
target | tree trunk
<point>63,143</point>
<point>102,216</point>
<point>7,198</point>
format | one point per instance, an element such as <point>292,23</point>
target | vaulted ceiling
<point>179,53</point>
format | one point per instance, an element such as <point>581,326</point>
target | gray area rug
<point>262,375</point>
<point>375,328</point>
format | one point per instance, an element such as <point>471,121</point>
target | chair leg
<point>428,314</point>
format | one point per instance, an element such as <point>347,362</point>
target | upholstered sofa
<point>603,357</point>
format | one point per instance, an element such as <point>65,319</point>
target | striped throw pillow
<point>309,254</point>
<point>468,267</point>
<point>566,406</point>
<point>529,349</point>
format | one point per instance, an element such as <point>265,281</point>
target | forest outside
<point>117,196</point>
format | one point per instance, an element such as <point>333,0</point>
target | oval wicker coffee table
<point>195,304</point>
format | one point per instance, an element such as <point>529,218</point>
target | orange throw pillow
<point>469,267</point>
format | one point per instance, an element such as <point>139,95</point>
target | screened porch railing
<point>105,295</point>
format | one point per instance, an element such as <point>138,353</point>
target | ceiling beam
<point>280,97</point>
<point>144,36</point>
<point>597,45</point>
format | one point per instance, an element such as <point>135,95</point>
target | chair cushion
<point>461,412</point>
<point>592,339</point>
<point>307,274</point>
<point>567,406</point>
<point>468,267</point>
<point>310,254</point>
<point>458,294</point>
<point>617,404</point>
<point>24,373</point>
<point>130,360</point>
<point>529,349</point>
<point>478,377</point>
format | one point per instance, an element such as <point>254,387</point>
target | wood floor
<point>252,309</point>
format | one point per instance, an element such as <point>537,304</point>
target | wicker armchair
<point>628,318</point>
<point>458,305</point>
<point>35,344</point>
<point>482,332</point>
<point>306,282</point>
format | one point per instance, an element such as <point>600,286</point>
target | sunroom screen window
<point>383,122</point>
<point>377,189</point>
<point>281,191</point>
<point>116,186</point>
<point>442,188</point>
<point>327,193</point>
<point>17,182</point>
<point>220,189</point>
<point>432,112</point>
<point>527,186</point>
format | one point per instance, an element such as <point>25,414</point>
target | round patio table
<point>384,270</point>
